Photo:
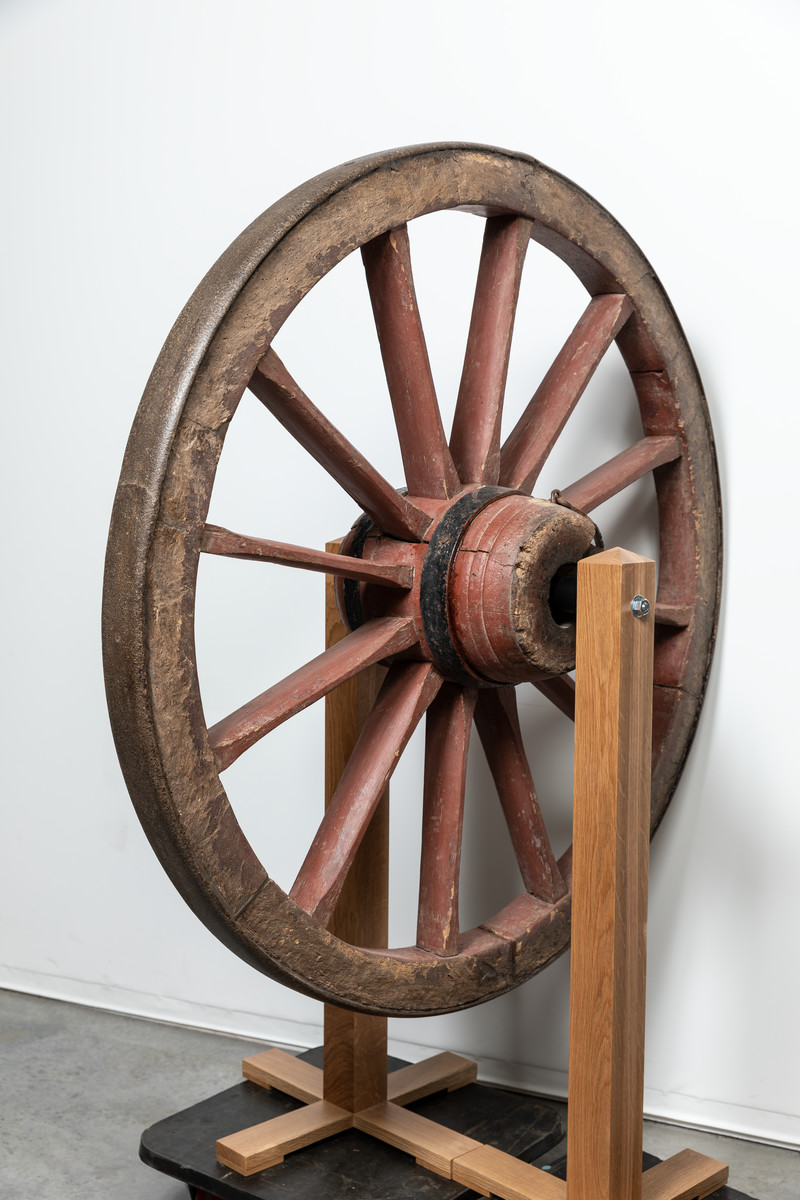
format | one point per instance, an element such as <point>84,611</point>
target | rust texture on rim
<point>491,574</point>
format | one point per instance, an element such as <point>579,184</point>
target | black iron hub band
<point>433,587</point>
<point>351,588</point>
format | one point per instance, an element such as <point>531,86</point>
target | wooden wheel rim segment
<point>158,527</point>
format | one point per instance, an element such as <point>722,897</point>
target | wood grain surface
<point>355,1043</point>
<point>613,698</point>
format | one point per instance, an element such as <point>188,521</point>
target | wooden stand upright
<point>610,866</point>
<point>607,1000</point>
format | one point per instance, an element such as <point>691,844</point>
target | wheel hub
<point>482,586</point>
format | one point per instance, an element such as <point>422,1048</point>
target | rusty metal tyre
<point>219,346</point>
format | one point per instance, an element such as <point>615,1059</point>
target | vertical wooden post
<point>613,716</point>
<point>355,1044</point>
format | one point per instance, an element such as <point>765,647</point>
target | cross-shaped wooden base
<point>266,1144</point>
<point>483,1168</point>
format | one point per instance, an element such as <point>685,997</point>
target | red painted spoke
<point>426,458</point>
<point>475,440</point>
<point>236,545</point>
<point>530,442</point>
<point>406,692</point>
<point>498,726</point>
<point>621,471</point>
<point>448,726</point>
<point>236,733</point>
<point>560,690</point>
<point>678,616</point>
<point>390,511</point>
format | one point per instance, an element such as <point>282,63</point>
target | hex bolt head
<point>640,606</point>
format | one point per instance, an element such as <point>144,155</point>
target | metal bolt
<point>640,606</point>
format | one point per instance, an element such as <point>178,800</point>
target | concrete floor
<point>80,1085</point>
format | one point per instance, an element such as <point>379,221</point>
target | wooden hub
<point>482,585</point>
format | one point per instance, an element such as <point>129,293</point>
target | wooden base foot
<point>434,1074</point>
<point>685,1176</point>
<point>266,1144</point>
<point>276,1068</point>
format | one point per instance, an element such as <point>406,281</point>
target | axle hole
<point>563,598</point>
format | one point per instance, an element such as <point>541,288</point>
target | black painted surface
<point>350,1164</point>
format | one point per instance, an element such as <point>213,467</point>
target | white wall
<point>137,141</point>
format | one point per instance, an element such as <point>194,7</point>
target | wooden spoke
<point>236,733</point>
<point>426,458</point>
<point>533,437</point>
<point>406,692</point>
<point>391,512</point>
<point>447,733</point>
<point>621,471</point>
<point>678,616</point>
<point>560,690</point>
<point>498,726</point>
<point>235,545</point>
<point>475,440</point>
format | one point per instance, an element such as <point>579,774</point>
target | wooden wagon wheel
<point>453,581</point>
